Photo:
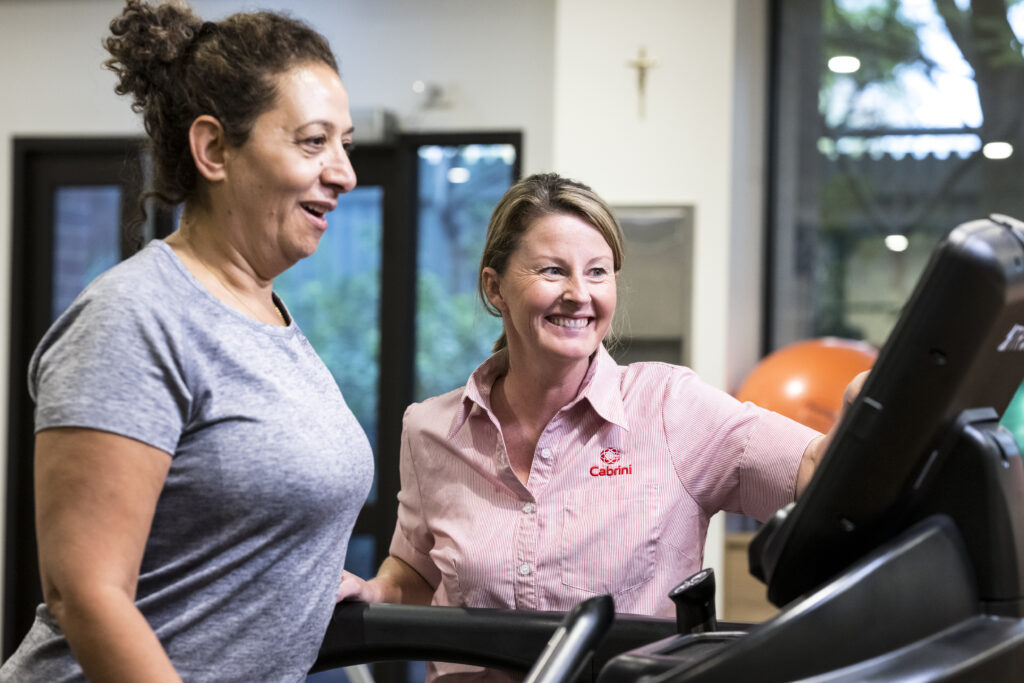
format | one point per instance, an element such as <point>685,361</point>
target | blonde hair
<point>534,197</point>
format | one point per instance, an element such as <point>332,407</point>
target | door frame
<point>41,165</point>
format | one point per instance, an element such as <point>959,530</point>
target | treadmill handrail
<point>360,633</point>
<point>574,641</point>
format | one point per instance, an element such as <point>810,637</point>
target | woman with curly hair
<point>197,471</point>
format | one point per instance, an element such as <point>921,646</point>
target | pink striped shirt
<point>623,483</point>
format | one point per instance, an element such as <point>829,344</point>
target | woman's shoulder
<point>133,302</point>
<point>663,384</point>
<point>434,411</point>
<point>647,373</point>
<point>147,280</point>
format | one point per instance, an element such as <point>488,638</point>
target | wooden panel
<point>745,597</point>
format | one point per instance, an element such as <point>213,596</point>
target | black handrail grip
<point>360,633</point>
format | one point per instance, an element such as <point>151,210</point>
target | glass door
<point>72,199</point>
<point>460,179</point>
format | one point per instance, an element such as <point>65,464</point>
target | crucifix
<point>642,63</point>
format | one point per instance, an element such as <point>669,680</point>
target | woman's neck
<point>524,400</point>
<point>223,269</point>
<point>535,392</point>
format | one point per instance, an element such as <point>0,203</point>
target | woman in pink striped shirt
<point>556,474</point>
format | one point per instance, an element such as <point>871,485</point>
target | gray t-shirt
<point>268,473</point>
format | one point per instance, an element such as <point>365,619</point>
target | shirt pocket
<point>609,537</point>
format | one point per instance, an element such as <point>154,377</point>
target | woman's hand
<point>355,588</point>
<point>396,582</point>
<point>851,392</point>
<point>816,448</point>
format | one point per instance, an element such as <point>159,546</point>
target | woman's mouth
<point>317,212</point>
<point>571,323</point>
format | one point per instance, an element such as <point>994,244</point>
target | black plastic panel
<point>958,345</point>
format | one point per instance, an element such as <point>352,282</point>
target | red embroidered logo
<point>610,456</point>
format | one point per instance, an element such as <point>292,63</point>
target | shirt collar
<point>601,388</point>
<point>478,389</point>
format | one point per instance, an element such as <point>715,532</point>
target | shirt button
<point>529,507</point>
<point>545,453</point>
<point>524,569</point>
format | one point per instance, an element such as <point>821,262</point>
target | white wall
<point>700,142</point>
<point>555,69</point>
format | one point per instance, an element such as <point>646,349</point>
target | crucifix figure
<point>642,63</point>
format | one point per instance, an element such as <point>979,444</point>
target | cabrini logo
<point>610,456</point>
<point>1014,339</point>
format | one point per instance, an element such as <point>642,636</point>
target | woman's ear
<point>492,288</point>
<point>207,143</point>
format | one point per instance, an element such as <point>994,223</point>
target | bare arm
<point>95,497</point>
<point>816,448</point>
<point>396,582</point>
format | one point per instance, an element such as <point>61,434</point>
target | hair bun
<point>177,68</point>
<point>145,45</point>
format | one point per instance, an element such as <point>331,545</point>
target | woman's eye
<point>316,141</point>
<point>551,270</point>
<point>349,147</point>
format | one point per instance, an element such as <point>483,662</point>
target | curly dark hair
<point>178,67</point>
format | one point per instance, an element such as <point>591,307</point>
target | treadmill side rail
<point>909,589</point>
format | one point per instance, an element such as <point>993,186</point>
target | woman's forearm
<point>110,638</point>
<point>398,582</point>
<point>95,497</point>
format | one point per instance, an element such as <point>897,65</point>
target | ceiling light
<point>458,174</point>
<point>844,64</point>
<point>897,243</point>
<point>997,150</point>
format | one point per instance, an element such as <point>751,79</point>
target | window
<point>458,187</point>
<point>86,238</point>
<point>71,198</point>
<point>893,121</point>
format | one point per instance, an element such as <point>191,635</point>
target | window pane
<point>361,558</point>
<point>895,123</point>
<point>459,186</point>
<point>86,238</point>
<point>334,296</point>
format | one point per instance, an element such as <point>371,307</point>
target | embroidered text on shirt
<point>610,456</point>
<point>596,471</point>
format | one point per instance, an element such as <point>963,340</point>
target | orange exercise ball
<point>805,381</point>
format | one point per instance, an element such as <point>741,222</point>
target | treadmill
<point>903,559</point>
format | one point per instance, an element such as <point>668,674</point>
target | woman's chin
<point>574,350</point>
<point>301,250</point>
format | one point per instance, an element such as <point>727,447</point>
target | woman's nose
<point>576,289</point>
<point>338,173</point>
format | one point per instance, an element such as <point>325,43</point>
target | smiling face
<point>557,294</point>
<point>287,176</point>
